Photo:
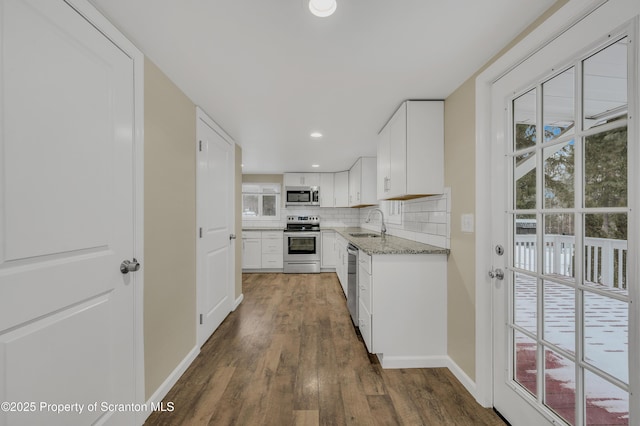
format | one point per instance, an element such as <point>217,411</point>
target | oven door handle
<point>302,234</point>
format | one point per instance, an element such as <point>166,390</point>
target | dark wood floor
<point>289,355</point>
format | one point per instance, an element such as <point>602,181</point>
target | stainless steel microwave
<point>302,196</point>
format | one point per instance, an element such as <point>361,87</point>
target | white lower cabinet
<point>328,250</point>
<point>342,261</point>
<point>251,250</point>
<point>364,325</point>
<point>262,250</point>
<point>272,249</point>
<point>403,308</point>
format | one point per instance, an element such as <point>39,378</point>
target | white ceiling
<point>270,73</point>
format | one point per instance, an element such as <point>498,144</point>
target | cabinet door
<point>365,326</point>
<point>311,179</point>
<point>355,179</point>
<point>301,179</point>
<point>251,253</point>
<point>368,181</point>
<point>341,189</point>
<point>327,197</point>
<point>328,257</point>
<point>398,152</point>
<point>382,187</point>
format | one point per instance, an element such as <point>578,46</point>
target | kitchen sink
<point>365,235</point>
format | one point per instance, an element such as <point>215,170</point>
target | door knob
<point>498,274</point>
<point>129,266</point>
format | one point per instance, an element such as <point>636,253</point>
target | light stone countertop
<point>263,229</point>
<point>388,245</point>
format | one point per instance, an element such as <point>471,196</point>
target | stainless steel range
<point>302,245</point>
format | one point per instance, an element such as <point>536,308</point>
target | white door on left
<point>66,218</point>
<point>215,259</point>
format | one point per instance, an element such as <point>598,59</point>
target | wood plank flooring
<point>289,355</point>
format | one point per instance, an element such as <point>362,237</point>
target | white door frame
<point>201,115</point>
<point>91,14</point>
<point>567,16</point>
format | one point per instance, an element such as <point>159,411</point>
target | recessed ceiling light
<point>322,8</point>
<point>315,165</point>
<point>241,165</point>
<point>316,135</point>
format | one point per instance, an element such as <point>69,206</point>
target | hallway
<point>290,355</point>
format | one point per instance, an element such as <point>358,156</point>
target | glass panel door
<point>569,300</point>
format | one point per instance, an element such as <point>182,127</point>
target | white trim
<point>238,301</point>
<point>559,22</point>
<point>201,115</point>
<point>91,14</point>
<point>462,377</point>
<point>413,361</point>
<point>634,219</point>
<point>169,382</point>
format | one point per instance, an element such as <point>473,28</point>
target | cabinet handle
<point>358,197</point>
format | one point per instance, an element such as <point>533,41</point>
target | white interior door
<point>66,218</point>
<point>565,145</point>
<point>215,253</point>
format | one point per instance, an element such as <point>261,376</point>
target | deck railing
<point>605,259</point>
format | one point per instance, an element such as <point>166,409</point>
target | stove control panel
<point>314,220</point>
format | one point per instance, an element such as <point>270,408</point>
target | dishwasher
<point>352,283</point>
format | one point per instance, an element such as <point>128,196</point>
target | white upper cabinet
<point>302,179</point>
<point>340,189</point>
<point>411,152</point>
<point>327,198</point>
<point>362,182</point>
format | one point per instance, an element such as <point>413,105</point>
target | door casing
<point>566,17</point>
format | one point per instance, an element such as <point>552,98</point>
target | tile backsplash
<point>426,220</point>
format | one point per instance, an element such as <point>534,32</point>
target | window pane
<point>606,334</point>
<point>560,385</point>
<point>250,205</point>
<point>606,251</point>
<point>525,362</point>
<point>558,106</point>
<point>605,169</point>
<point>525,181</point>
<point>525,305</point>
<point>605,85</point>
<point>524,120</point>
<point>559,245</point>
<point>558,176</point>
<point>559,315</point>
<point>607,404</point>
<point>269,205</point>
<point>524,241</point>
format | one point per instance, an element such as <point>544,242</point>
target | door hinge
<point>201,319</point>
<point>200,148</point>
<point>200,232</point>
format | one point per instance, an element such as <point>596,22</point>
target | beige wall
<point>238,231</point>
<point>169,237</point>
<point>460,136</point>
<point>460,169</point>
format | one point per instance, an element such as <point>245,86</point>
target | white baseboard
<point>166,386</point>
<point>388,361</point>
<point>462,377</point>
<point>238,302</point>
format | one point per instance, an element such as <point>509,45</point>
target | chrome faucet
<point>383,228</point>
